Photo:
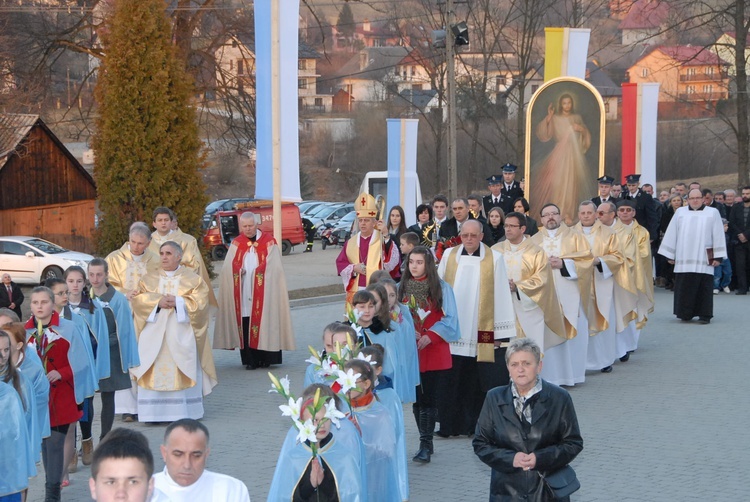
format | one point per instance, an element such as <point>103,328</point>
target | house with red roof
<point>644,23</point>
<point>691,78</point>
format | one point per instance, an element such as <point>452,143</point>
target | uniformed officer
<point>495,184</point>
<point>510,189</point>
<point>605,185</point>
<point>645,210</point>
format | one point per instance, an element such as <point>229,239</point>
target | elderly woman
<point>527,429</point>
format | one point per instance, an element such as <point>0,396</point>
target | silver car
<point>31,260</point>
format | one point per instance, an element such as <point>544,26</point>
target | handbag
<point>561,483</point>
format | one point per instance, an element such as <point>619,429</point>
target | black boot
<point>426,430</point>
<point>52,492</point>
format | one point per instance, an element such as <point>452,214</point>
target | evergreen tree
<point>345,23</point>
<point>148,152</point>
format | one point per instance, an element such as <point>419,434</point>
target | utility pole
<point>450,56</point>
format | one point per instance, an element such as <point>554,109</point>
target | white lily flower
<point>328,367</point>
<point>348,380</point>
<point>292,409</point>
<point>313,360</point>
<point>285,384</point>
<point>307,431</point>
<point>423,313</point>
<point>367,359</point>
<point>332,413</point>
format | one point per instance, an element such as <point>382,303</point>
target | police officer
<point>510,189</point>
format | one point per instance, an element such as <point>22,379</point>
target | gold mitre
<point>365,206</point>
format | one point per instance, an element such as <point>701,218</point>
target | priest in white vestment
<point>572,263</point>
<point>535,302</point>
<point>611,304</point>
<point>127,266</point>
<point>185,478</point>
<point>695,243</point>
<point>486,324</point>
<point>177,366</point>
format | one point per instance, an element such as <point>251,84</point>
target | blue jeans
<point>723,274</point>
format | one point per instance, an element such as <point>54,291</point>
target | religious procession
<point>475,295</point>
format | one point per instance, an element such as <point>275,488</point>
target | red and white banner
<point>640,106</point>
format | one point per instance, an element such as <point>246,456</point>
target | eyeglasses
<point>511,225</point>
<point>625,210</point>
<point>549,215</point>
<point>62,293</point>
<point>469,236</point>
<point>602,213</point>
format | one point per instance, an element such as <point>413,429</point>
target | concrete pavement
<point>665,426</point>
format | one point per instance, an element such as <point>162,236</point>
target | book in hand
<point>710,256</point>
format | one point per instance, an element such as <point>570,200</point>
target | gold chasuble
<point>569,245</point>
<point>605,246</point>
<point>168,347</point>
<point>191,256</point>
<point>126,271</point>
<point>270,318</point>
<point>528,267</point>
<point>486,314</point>
<point>639,248</point>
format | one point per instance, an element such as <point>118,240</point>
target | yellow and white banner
<point>565,53</point>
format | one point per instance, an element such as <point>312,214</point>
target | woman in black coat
<point>526,429</point>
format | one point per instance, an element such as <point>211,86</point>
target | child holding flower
<point>303,476</point>
<point>433,309</point>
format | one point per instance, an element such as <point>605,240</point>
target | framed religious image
<point>564,145</point>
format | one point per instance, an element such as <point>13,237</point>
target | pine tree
<point>345,23</point>
<point>148,151</point>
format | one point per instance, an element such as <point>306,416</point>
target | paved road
<point>666,426</point>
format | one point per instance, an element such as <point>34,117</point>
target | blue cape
<point>390,400</point>
<point>408,372</point>
<point>125,333</point>
<point>342,458</point>
<point>96,323</point>
<point>447,327</point>
<point>31,368</point>
<point>16,459</point>
<point>32,420</point>
<point>312,376</point>
<point>80,358</point>
<point>379,439</point>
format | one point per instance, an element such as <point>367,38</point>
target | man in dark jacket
<point>11,295</point>
<point>461,214</point>
<point>739,234</point>
<point>526,428</point>
<point>645,207</point>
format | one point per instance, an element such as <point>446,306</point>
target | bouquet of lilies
<point>418,313</point>
<point>353,315</point>
<point>308,429</point>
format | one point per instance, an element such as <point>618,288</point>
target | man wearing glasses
<point>571,261</point>
<point>694,242</point>
<point>487,323</point>
<point>535,299</point>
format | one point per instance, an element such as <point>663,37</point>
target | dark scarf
<point>419,289</point>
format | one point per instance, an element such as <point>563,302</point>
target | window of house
<point>318,101</point>
<point>534,88</point>
<point>691,71</point>
<point>302,64</point>
<point>710,71</point>
<point>644,72</point>
<point>234,43</point>
<point>708,89</point>
<point>231,64</point>
<point>413,70</point>
<point>239,67</point>
<point>416,87</point>
<point>691,89</point>
<point>301,83</point>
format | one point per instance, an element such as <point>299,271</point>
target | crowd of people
<point>475,315</point>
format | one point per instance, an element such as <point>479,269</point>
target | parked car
<point>308,205</point>
<point>221,205</point>
<point>331,214</point>
<point>225,227</point>
<point>31,260</point>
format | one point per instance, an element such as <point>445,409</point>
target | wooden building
<point>44,191</point>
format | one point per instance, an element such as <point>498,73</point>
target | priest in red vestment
<point>368,250</point>
<point>253,299</point>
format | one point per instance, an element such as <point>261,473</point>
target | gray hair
<point>611,205</point>
<point>478,223</point>
<point>523,345</point>
<point>45,290</point>
<point>587,203</point>
<point>140,228</point>
<point>6,312</point>
<point>177,248</point>
<point>248,215</point>
<point>729,190</point>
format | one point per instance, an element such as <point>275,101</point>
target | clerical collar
<point>477,253</point>
<point>699,209</point>
<point>171,273</point>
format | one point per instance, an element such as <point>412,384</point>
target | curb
<point>317,300</point>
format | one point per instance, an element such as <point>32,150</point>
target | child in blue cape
<point>337,473</point>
